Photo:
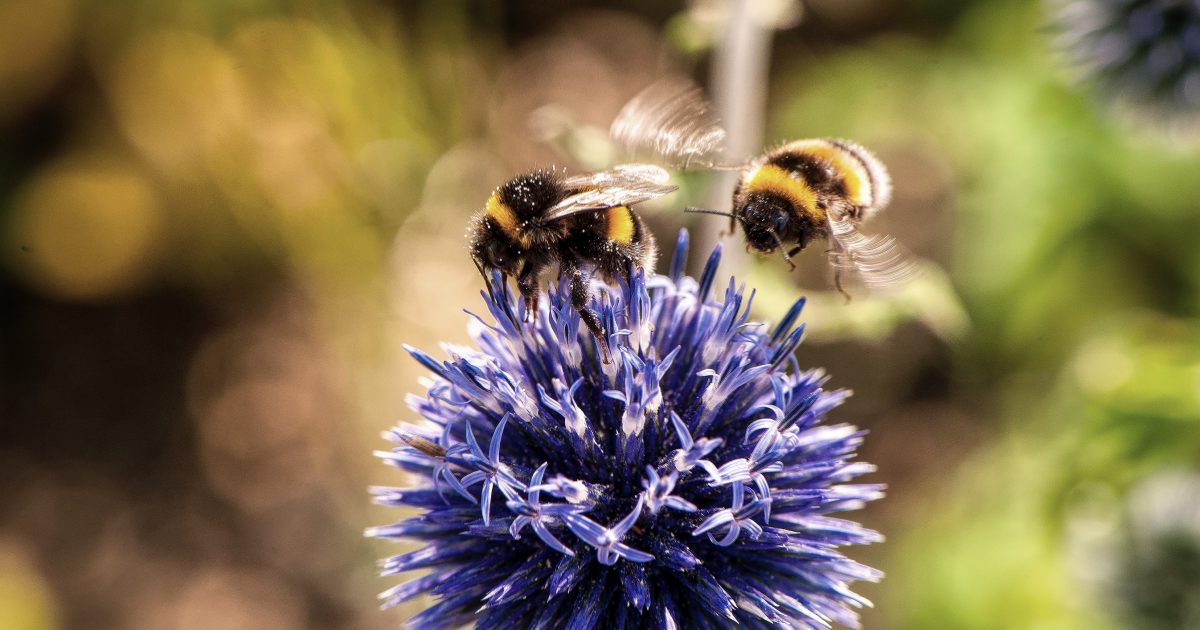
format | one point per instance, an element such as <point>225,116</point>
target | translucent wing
<point>672,120</point>
<point>620,174</point>
<point>878,262</point>
<point>622,185</point>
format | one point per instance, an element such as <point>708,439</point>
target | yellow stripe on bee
<point>620,225</point>
<point>502,215</point>
<point>771,178</point>
<point>846,164</point>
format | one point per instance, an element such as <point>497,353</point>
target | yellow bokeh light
<point>87,230</point>
<point>35,38</point>
<point>26,602</point>
<point>176,95</point>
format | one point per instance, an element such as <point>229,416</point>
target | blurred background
<point>219,220</point>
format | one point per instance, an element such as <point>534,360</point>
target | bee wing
<point>878,261</point>
<point>672,120</point>
<point>622,185</point>
<point>621,174</point>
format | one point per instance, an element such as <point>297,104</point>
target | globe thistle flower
<point>1156,583</point>
<point>686,484</point>
<point>1143,53</point>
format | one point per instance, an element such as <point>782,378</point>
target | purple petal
<point>474,446</point>
<point>716,520</point>
<point>631,554</point>
<point>544,533</point>
<point>618,531</point>
<point>486,496</point>
<point>494,447</point>
<point>586,529</point>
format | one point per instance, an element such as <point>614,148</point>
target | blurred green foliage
<point>1074,256</point>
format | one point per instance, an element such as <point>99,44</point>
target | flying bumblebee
<point>581,223</point>
<point>792,195</point>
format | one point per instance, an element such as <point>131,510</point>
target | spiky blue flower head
<point>686,484</point>
<point>1156,555</point>
<point>1144,53</point>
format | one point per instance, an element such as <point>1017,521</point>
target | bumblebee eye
<point>781,223</point>
<point>497,255</point>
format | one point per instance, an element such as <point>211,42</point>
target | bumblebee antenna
<point>694,210</point>
<point>487,282</point>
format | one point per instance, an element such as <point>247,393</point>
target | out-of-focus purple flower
<point>687,484</point>
<point>1144,53</point>
<point>1152,554</point>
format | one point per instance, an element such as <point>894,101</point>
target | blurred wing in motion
<point>878,262</point>
<point>672,120</point>
<point>623,185</point>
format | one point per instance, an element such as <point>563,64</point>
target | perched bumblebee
<point>581,223</point>
<point>784,199</point>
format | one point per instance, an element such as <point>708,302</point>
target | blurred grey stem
<point>739,90</point>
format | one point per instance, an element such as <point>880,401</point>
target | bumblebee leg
<point>783,250</point>
<point>527,282</point>
<point>504,295</point>
<point>626,269</point>
<point>580,294</point>
<point>787,257</point>
<point>836,259</point>
<point>837,282</point>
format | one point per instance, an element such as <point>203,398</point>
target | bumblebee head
<point>769,221</point>
<point>493,248</point>
<point>502,232</point>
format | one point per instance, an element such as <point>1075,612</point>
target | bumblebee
<point>820,188</point>
<point>580,224</point>
<point>802,191</point>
